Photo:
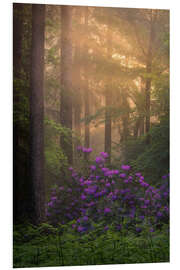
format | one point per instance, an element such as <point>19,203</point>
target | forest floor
<point>44,246</point>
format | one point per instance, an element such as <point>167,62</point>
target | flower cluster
<point>109,196</point>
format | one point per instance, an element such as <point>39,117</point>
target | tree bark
<point>66,78</point>
<point>17,56</point>
<point>86,88</point>
<point>77,83</point>
<point>149,79</point>
<point>37,114</point>
<point>108,102</point>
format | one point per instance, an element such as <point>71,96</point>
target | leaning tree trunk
<point>66,78</point>
<point>17,56</point>
<point>37,114</point>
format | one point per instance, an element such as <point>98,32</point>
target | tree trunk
<point>149,79</point>
<point>136,128</point>
<point>86,88</point>
<point>37,114</point>
<point>77,84</point>
<point>17,56</point>
<point>108,102</point>
<point>66,78</point>
<point>141,129</point>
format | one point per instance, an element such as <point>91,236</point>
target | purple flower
<point>93,167</point>
<point>83,210</point>
<point>151,230</point>
<point>85,218</point>
<point>125,167</point>
<point>104,169</point>
<point>53,198</point>
<point>91,190</point>
<point>107,210</point>
<point>104,154</point>
<point>126,181</point>
<point>115,171</point>
<point>114,197</point>
<point>98,194</point>
<point>99,159</point>
<point>87,150</point>
<point>157,196</point>
<point>119,227</point>
<point>81,180</point>
<point>78,220</point>
<point>108,184</point>
<point>80,229</point>
<point>83,197</point>
<point>138,174</point>
<point>144,206</point>
<point>88,182</point>
<point>106,228</point>
<point>138,229</point>
<point>159,214</point>
<point>142,217</point>
<point>122,175</point>
<point>91,204</point>
<point>50,204</point>
<point>147,201</point>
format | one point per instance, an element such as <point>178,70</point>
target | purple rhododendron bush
<point>116,198</point>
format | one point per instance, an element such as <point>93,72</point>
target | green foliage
<point>47,246</point>
<point>153,159</point>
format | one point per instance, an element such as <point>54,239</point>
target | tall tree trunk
<point>17,56</point>
<point>86,88</point>
<point>37,114</point>
<point>86,113</point>
<point>136,128</point>
<point>141,128</point>
<point>108,102</point>
<point>66,78</point>
<point>149,79</point>
<point>77,84</point>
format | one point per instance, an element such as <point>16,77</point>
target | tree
<point>37,114</point>
<point>108,99</point>
<point>66,80</point>
<point>86,85</point>
<point>77,80</point>
<point>17,57</point>
<point>146,31</point>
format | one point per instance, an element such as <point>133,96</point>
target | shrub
<point>110,197</point>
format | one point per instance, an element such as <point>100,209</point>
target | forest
<point>90,135</point>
